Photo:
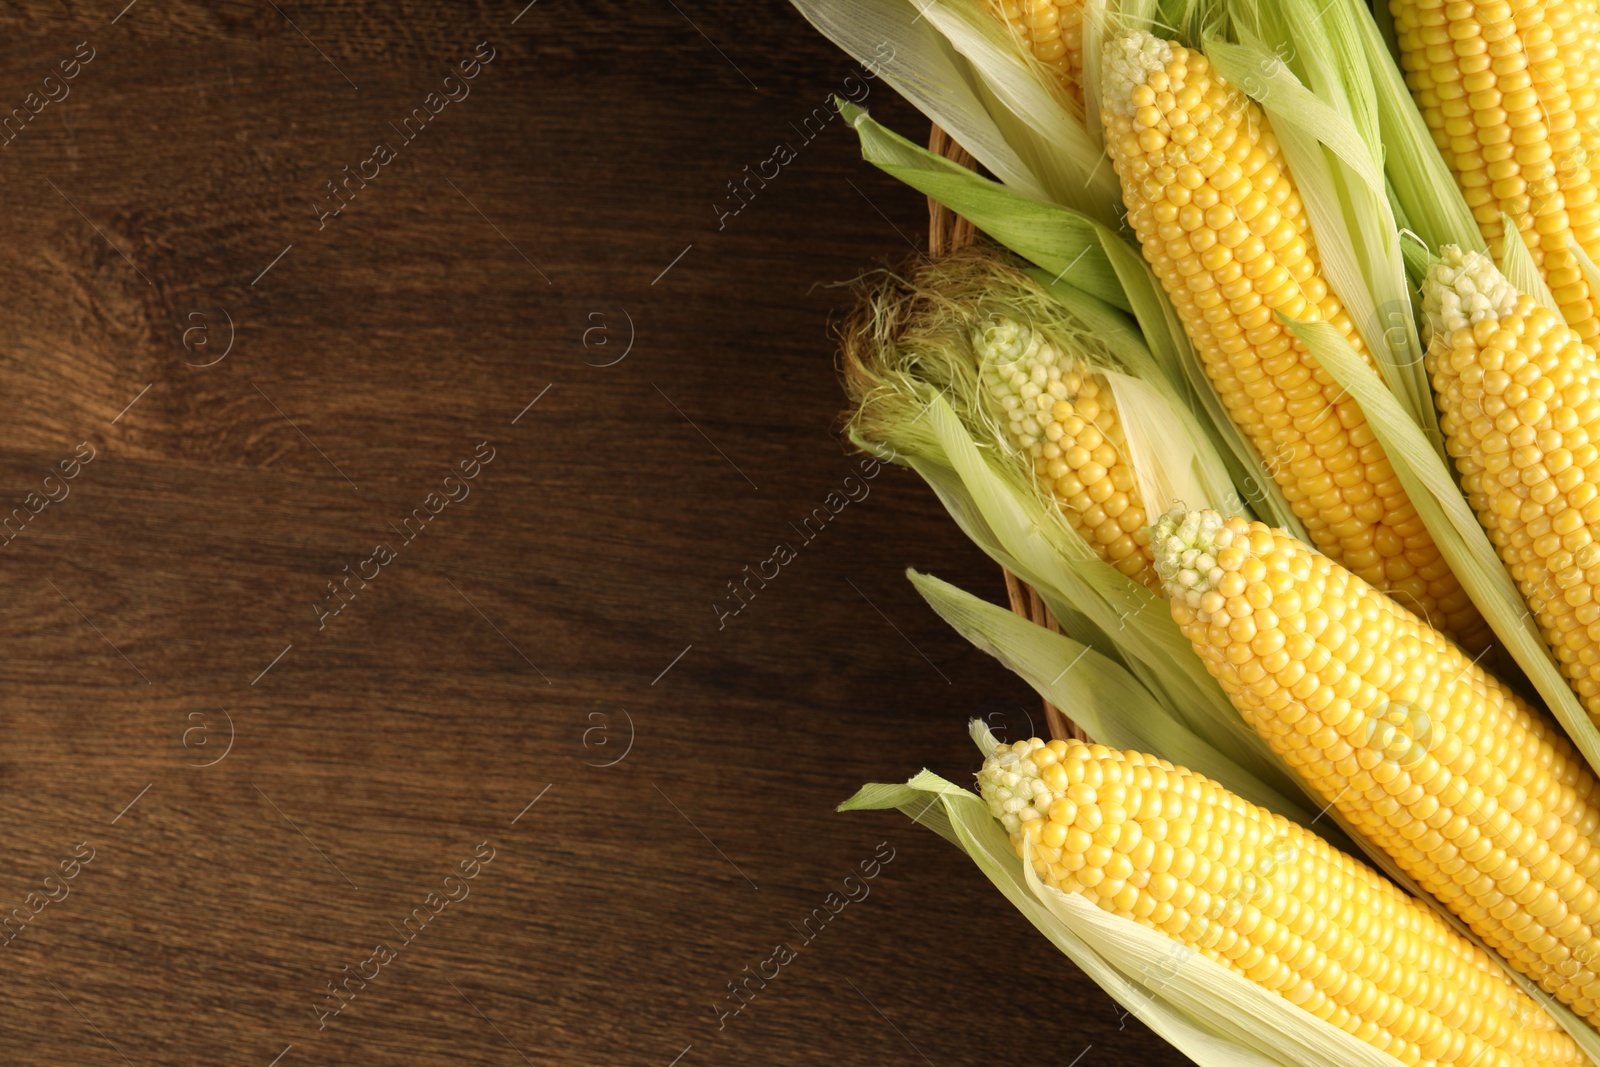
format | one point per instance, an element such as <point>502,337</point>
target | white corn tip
<point>1129,62</point>
<point>1185,545</point>
<point>1009,781</point>
<point>1024,375</point>
<point>1463,289</point>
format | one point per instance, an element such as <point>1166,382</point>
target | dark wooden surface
<point>501,655</point>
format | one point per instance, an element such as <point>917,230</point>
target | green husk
<point>1102,697</point>
<point>958,64</point>
<point>1520,270</point>
<point>1065,242</point>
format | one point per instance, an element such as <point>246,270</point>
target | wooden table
<point>283,684</point>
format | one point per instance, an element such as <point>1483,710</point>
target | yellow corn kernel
<point>1265,898</point>
<point>1052,32</point>
<point>1481,801</point>
<point>1510,94</point>
<point>1519,398</point>
<point>1201,172</point>
<point>1061,414</point>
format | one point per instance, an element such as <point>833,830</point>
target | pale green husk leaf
<point>1095,27</point>
<point>1060,240</point>
<point>1520,270</point>
<point>1097,693</point>
<point>912,57</point>
<point>1079,176</point>
<point>1169,469</point>
<point>958,64</point>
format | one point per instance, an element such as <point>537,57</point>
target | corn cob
<point>1508,92</point>
<point>1484,804</point>
<point>1221,223</point>
<point>1052,32</point>
<point>1062,415</point>
<point>1179,853</point>
<point>1519,395</point>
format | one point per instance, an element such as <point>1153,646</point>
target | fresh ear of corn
<point>1484,804</point>
<point>1052,32</point>
<point>1172,850</point>
<point>1508,92</point>
<point>1210,1013</point>
<point>1519,394</point>
<point>1060,411</point>
<point>1222,225</point>
<point>1035,379</point>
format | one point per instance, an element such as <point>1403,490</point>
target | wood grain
<point>172,590</point>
